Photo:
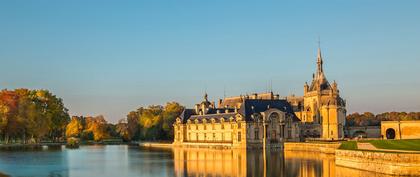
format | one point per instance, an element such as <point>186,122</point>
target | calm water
<point>124,160</point>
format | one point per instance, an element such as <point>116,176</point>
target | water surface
<point>122,160</point>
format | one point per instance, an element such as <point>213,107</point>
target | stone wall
<point>401,129</point>
<point>380,162</point>
<point>328,148</point>
<point>365,131</point>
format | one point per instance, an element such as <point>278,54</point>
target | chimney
<point>255,96</point>
<point>196,109</point>
<point>203,109</point>
<point>220,103</point>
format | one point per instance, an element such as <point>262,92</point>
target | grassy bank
<point>348,145</point>
<point>407,145</point>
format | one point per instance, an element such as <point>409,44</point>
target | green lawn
<point>348,145</point>
<point>409,145</point>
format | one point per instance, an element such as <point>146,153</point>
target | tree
<point>132,125</point>
<point>74,128</point>
<point>122,130</point>
<point>171,112</point>
<point>153,123</point>
<point>36,113</point>
<point>97,125</point>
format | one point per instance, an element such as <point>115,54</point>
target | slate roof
<point>215,116</point>
<point>249,107</point>
<point>256,106</point>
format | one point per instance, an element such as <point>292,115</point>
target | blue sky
<point>110,57</point>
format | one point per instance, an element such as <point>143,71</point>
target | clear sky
<point>110,57</point>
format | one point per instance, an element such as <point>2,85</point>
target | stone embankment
<point>155,145</point>
<point>327,148</point>
<point>380,162</point>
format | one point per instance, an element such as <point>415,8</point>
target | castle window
<point>256,134</point>
<point>239,125</point>
<point>223,126</point>
<point>239,136</point>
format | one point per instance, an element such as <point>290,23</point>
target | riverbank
<point>318,147</point>
<point>155,145</point>
<point>349,155</point>
<point>380,162</point>
<point>393,157</point>
<point>59,144</point>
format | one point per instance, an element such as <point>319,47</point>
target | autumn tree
<point>74,128</point>
<point>122,130</point>
<point>153,122</point>
<point>98,126</point>
<point>36,114</point>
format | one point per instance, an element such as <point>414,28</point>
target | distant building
<point>400,129</point>
<point>239,124</point>
<point>321,108</point>
<point>239,121</point>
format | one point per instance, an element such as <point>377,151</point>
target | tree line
<point>91,128</point>
<point>31,115</point>
<point>150,123</point>
<point>370,119</point>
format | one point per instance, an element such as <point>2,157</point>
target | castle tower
<point>323,104</point>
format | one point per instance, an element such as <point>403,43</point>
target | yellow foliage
<point>74,128</point>
<point>97,125</point>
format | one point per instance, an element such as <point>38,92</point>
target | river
<point>123,160</point>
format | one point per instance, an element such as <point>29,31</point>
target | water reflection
<point>132,161</point>
<point>239,162</point>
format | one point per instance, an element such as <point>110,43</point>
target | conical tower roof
<point>319,81</point>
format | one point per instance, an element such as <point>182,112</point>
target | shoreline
<point>155,145</point>
<point>40,145</point>
<point>390,163</point>
<point>383,162</point>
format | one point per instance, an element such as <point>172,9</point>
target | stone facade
<point>240,124</point>
<point>239,121</point>
<point>321,107</point>
<point>400,129</point>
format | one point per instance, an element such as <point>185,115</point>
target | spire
<point>205,96</point>
<point>319,60</point>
